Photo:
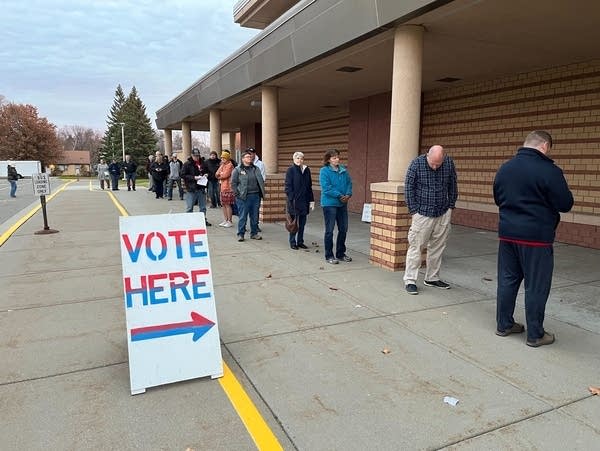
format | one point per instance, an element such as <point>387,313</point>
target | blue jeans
<point>13,188</point>
<point>130,181</point>
<point>213,193</point>
<point>171,182</point>
<point>515,264</point>
<point>298,237</point>
<point>333,215</point>
<point>197,197</point>
<point>249,207</point>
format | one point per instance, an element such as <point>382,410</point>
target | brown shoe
<point>516,328</point>
<point>547,339</point>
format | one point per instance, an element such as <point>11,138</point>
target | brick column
<point>390,222</point>
<point>273,207</point>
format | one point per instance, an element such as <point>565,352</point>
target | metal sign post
<point>41,187</point>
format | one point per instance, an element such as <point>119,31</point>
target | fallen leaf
<point>321,267</point>
<point>316,251</point>
<point>268,276</point>
<point>487,279</point>
<point>594,390</point>
<point>333,288</point>
<point>385,351</point>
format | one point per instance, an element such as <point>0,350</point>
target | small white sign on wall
<point>172,330</point>
<point>366,213</point>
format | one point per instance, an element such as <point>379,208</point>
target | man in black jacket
<point>530,191</point>
<point>212,165</point>
<point>130,168</point>
<point>194,175</point>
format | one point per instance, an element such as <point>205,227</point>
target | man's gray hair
<point>537,138</point>
<point>298,154</point>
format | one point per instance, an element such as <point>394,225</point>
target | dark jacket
<point>130,167</point>
<point>298,188</point>
<point>11,173</point>
<point>189,172</point>
<point>212,166</point>
<point>159,171</point>
<point>114,169</point>
<point>239,181</point>
<point>530,191</point>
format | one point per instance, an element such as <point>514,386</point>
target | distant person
<point>227,197</point>
<point>149,172</point>
<point>249,188</point>
<point>194,175</point>
<point>336,191</point>
<point>130,168</point>
<point>103,175</point>
<point>12,176</point>
<point>212,165</point>
<point>114,169</point>
<point>300,197</point>
<point>77,172</point>
<point>160,172</point>
<point>531,192</point>
<point>175,166</point>
<point>430,190</point>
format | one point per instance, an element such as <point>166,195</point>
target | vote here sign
<point>172,332</point>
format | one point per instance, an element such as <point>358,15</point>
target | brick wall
<point>482,124</point>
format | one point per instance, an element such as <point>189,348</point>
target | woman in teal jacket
<point>336,191</point>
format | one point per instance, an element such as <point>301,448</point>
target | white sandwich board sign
<point>172,330</point>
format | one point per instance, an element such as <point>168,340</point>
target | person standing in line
<point>149,172</point>
<point>430,190</point>
<point>12,176</point>
<point>175,166</point>
<point>300,197</point>
<point>227,197</point>
<point>194,175</point>
<point>103,174</point>
<point>212,165</point>
<point>160,172</point>
<point>336,191</point>
<point>130,168</point>
<point>114,169</point>
<point>530,192</point>
<point>249,188</point>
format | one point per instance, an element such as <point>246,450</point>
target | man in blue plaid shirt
<point>430,192</point>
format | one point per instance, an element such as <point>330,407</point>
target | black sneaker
<point>303,246</point>
<point>437,284</point>
<point>411,288</point>
<point>345,258</point>
<point>208,224</point>
<point>240,237</point>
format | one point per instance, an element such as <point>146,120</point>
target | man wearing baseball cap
<point>194,175</point>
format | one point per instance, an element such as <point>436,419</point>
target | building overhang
<point>302,52</point>
<point>260,13</point>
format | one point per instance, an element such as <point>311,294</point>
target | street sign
<point>41,184</point>
<point>172,331</point>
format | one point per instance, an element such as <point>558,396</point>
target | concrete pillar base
<point>390,222</point>
<point>273,207</point>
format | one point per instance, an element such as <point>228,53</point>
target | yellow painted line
<point>118,204</point>
<point>263,437</point>
<point>257,427</point>
<point>12,229</point>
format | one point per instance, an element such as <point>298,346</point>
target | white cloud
<point>67,57</point>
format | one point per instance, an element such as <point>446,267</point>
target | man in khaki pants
<point>430,192</point>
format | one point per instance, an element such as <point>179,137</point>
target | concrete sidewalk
<point>304,338</point>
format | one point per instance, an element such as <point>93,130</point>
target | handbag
<point>291,225</point>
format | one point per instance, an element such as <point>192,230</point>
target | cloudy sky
<point>67,57</point>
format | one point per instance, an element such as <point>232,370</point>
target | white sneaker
<point>222,224</point>
<point>228,224</point>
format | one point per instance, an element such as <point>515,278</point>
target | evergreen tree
<point>140,139</point>
<point>111,143</point>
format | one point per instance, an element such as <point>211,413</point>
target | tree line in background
<point>26,136</point>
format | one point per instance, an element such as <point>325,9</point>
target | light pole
<point>122,124</point>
